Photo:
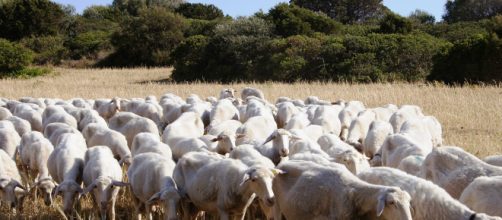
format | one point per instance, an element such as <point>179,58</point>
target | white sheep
<point>9,140</point>
<point>171,110</point>
<point>148,109</point>
<point>147,142</point>
<point>327,117</point>
<point>484,195</point>
<point>34,152</point>
<point>227,93</point>
<point>359,129</point>
<point>66,164</point>
<point>56,113</point>
<point>224,110</point>
<point>403,114</point>
<point>96,134</point>
<point>11,190</point>
<point>188,125</point>
<point>347,115</point>
<point>454,169</point>
<point>278,148</point>
<point>285,111</point>
<point>229,126</point>
<point>378,131</point>
<point>107,108</point>
<point>30,114</point>
<point>130,124</point>
<point>54,130</point>
<point>88,116</point>
<point>150,177</point>
<point>495,160</point>
<point>429,201</point>
<point>102,176</point>
<point>256,130</point>
<point>232,186</point>
<point>248,91</point>
<point>307,190</point>
<point>22,126</point>
<point>4,113</point>
<point>297,121</point>
<point>257,107</point>
<point>333,143</point>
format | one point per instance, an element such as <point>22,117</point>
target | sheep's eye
<point>253,179</point>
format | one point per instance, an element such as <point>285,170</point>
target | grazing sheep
<point>102,175</point>
<point>307,190</point>
<point>429,200</point>
<point>187,145</point>
<point>248,91</point>
<point>327,117</point>
<point>297,121</point>
<point>150,176</point>
<point>88,116</point>
<point>484,195</point>
<point>353,160</point>
<point>229,126</point>
<point>56,113</point>
<point>9,140</point>
<point>4,113</point>
<point>279,147</point>
<point>11,190</point>
<point>188,125</point>
<point>232,188</point>
<point>359,129</point>
<point>384,113</point>
<point>147,109</point>
<point>378,131</point>
<point>256,130</point>
<point>495,160</point>
<point>33,116</point>
<point>256,107</point>
<point>66,165</point>
<point>454,169</point>
<point>227,93</point>
<point>171,110</point>
<point>147,142</point>
<point>34,152</point>
<point>130,124</point>
<point>107,108</point>
<point>96,134</point>
<point>22,126</point>
<point>54,130</point>
<point>285,111</point>
<point>250,156</point>
<point>347,115</point>
<point>224,110</point>
<point>403,114</point>
<point>331,142</point>
<point>314,100</point>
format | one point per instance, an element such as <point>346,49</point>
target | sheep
<point>349,113</point>
<point>377,133</point>
<point>66,164</point>
<point>81,103</point>
<point>359,129</point>
<point>147,109</point>
<point>384,113</point>
<point>96,134</point>
<point>306,190</point>
<point>33,116</point>
<point>328,141</point>
<point>484,195</point>
<point>11,190</point>
<point>201,108</point>
<point>279,147</point>
<point>107,108</point>
<point>256,130</point>
<point>56,113</point>
<point>171,110</point>
<point>157,171</point>
<point>147,142</point>
<point>224,143</point>
<point>9,140</point>
<point>22,126</point>
<point>102,175</point>
<point>314,100</point>
<point>311,132</point>
<point>4,113</point>
<point>34,151</point>
<point>353,160</point>
<point>130,124</point>
<point>495,160</point>
<point>188,125</point>
<point>37,101</point>
<point>454,169</point>
<point>327,117</point>
<point>224,110</point>
<point>187,145</point>
<point>88,116</point>
<point>227,93</point>
<point>229,126</point>
<point>256,107</point>
<point>403,114</point>
<point>54,130</point>
<point>248,91</point>
<point>285,111</point>
<point>232,186</point>
<point>429,200</point>
<point>297,121</point>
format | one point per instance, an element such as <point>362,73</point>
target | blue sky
<point>248,7</point>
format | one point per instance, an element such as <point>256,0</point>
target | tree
<point>147,40</point>
<point>13,57</point>
<point>345,11</point>
<point>23,18</point>
<point>200,11</point>
<point>393,23</point>
<point>133,7</point>
<point>471,10</point>
<point>422,17</point>
<point>292,20</point>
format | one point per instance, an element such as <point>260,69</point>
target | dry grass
<point>471,116</point>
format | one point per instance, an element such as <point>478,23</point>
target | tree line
<point>303,40</point>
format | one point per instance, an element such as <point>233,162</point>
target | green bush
<point>200,11</point>
<point>29,72</point>
<point>13,57</point>
<point>48,49</point>
<point>395,24</point>
<point>89,44</point>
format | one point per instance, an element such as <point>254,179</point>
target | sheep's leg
<point>277,211</point>
<point>112,210</point>
<point>138,206</point>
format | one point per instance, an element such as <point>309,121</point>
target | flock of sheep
<point>234,157</point>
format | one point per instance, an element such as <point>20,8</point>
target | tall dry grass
<point>471,116</point>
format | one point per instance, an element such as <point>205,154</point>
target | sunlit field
<point>471,116</point>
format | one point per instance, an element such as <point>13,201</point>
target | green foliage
<point>292,20</point>
<point>48,49</point>
<point>98,12</point>
<point>422,17</point>
<point>24,18</point>
<point>27,73</point>
<point>13,57</point>
<point>147,40</point>
<point>473,60</point>
<point>200,11</point>
<point>458,31</point>
<point>200,27</point>
<point>345,11</point>
<point>395,24</point>
<point>134,7</point>
<point>89,44</point>
<point>471,10</point>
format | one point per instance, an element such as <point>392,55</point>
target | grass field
<point>471,116</point>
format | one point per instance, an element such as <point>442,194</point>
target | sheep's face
<point>12,192</point>
<point>394,203</point>
<point>355,162</point>
<point>71,193</point>
<point>46,186</point>
<point>105,190</point>
<point>280,141</point>
<point>260,182</point>
<point>170,200</point>
<point>226,143</point>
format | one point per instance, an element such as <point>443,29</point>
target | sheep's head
<point>169,197</point>
<point>71,193</point>
<point>393,203</point>
<point>105,189</point>
<point>226,142</point>
<point>259,180</point>
<point>46,186</point>
<point>353,160</point>
<point>12,192</point>
<point>280,141</point>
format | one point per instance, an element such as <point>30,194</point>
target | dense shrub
<point>471,10</point>
<point>395,24</point>
<point>200,11</point>
<point>13,57</point>
<point>347,12</point>
<point>90,44</point>
<point>48,49</point>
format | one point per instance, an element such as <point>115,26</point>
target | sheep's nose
<point>284,152</point>
<point>270,201</point>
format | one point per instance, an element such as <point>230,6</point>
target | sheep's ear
<point>119,183</point>
<point>126,160</point>
<point>294,137</point>
<point>17,184</point>
<point>155,198</point>
<point>239,135</point>
<point>245,178</point>
<point>89,188</point>
<point>216,139</point>
<point>277,171</point>
<point>380,205</point>
<point>270,138</point>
